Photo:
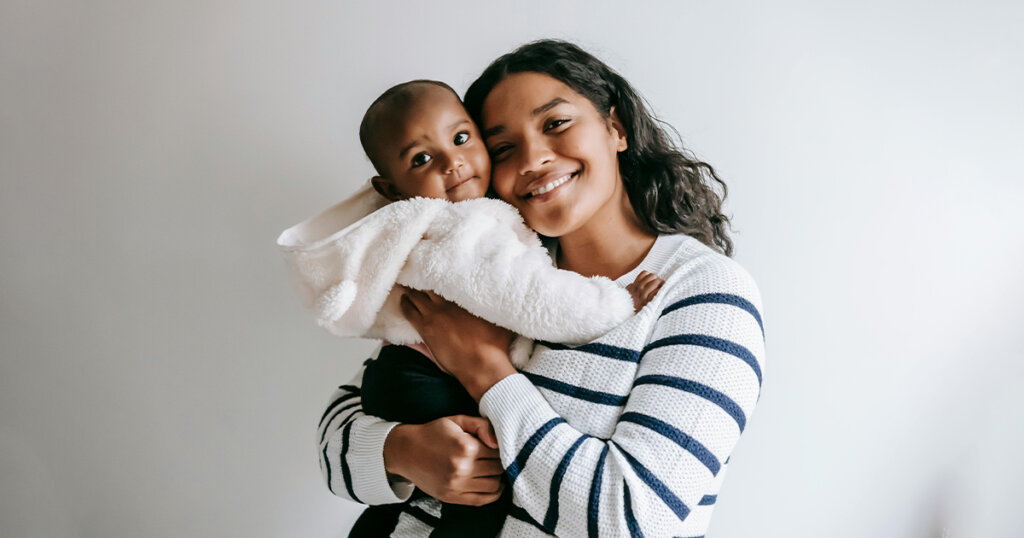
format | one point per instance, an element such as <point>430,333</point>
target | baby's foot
<point>644,288</point>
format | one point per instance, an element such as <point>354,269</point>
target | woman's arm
<point>369,460</point>
<point>351,450</point>
<point>697,381</point>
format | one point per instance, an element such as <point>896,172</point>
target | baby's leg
<point>403,385</point>
<point>460,521</point>
<point>644,288</point>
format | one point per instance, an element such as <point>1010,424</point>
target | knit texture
<point>627,435</point>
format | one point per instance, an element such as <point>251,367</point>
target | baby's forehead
<point>413,114</point>
<point>411,104</point>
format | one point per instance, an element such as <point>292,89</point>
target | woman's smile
<point>549,186</point>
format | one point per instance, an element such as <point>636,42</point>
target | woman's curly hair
<point>670,190</point>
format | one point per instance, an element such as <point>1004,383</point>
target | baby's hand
<point>644,288</point>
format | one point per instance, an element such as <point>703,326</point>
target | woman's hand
<point>453,459</point>
<point>475,351</point>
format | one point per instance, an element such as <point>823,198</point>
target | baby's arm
<point>644,288</point>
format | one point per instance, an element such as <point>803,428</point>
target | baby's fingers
<point>650,289</point>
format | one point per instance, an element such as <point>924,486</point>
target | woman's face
<point>554,156</point>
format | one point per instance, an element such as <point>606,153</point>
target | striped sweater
<point>628,435</point>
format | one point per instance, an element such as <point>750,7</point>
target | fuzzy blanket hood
<point>476,253</point>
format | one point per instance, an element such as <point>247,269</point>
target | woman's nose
<point>534,154</point>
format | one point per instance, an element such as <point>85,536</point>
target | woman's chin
<point>554,223</point>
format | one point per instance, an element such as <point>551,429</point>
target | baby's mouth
<point>461,182</point>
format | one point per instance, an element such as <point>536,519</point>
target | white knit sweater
<point>628,435</point>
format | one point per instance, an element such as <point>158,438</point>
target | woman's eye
<point>461,138</point>
<point>420,159</point>
<point>553,124</point>
<point>499,151</point>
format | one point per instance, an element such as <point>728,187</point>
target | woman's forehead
<point>525,96</point>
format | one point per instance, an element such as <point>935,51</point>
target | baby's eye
<point>461,138</point>
<point>420,159</point>
<point>553,124</point>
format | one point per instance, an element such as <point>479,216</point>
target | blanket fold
<point>476,253</point>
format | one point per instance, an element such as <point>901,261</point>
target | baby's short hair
<point>399,95</point>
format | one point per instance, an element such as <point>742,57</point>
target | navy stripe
<point>603,350</point>
<point>350,388</point>
<point>677,436</point>
<point>580,393</point>
<point>521,514</point>
<point>708,500</point>
<point>710,342</point>
<point>422,515</point>
<point>634,527</point>
<point>340,411</point>
<point>595,495</point>
<point>718,298</point>
<point>516,466</point>
<point>551,518</point>
<point>657,486</point>
<point>334,404</point>
<point>704,391</point>
<point>328,463</point>
<point>344,464</point>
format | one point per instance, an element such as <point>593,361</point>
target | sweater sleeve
<point>697,381</point>
<point>351,449</point>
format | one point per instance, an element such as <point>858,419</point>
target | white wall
<point>159,377</point>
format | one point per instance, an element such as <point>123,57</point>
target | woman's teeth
<point>550,186</point>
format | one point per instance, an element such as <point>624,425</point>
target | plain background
<point>160,378</point>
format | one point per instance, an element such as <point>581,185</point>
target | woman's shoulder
<point>692,268</point>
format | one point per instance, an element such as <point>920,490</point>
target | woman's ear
<point>620,131</point>
<point>386,188</point>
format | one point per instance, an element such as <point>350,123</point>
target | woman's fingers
<point>410,310</point>
<point>486,485</point>
<point>434,298</point>
<point>419,304</point>
<point>479,427</point>
<point>476,499</point>
<point>485,467</point>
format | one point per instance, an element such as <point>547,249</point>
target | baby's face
<point>434,150</point>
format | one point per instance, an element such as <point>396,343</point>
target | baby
<point>424,145</point>
<point>445,156</point>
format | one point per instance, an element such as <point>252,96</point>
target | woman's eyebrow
<point>547,106</point>
<point>498,129</point>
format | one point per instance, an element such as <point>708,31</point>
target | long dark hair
<point>670,190</point>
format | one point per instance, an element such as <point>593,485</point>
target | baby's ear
<point>386,188</point>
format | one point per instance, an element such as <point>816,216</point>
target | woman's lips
<point>549,189</point>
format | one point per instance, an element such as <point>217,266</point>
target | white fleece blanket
<point>476,253</point>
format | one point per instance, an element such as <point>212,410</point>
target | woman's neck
<point>611,244</point>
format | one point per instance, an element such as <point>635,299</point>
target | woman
<point>626,435</point>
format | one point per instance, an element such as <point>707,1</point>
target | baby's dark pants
<point>403,385</point>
